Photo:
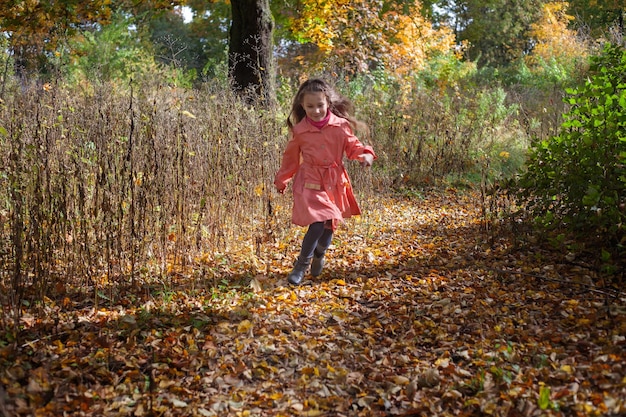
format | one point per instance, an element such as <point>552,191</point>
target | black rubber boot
<point>317,265</point>
<point>318,260</point>
<point>299,269</point>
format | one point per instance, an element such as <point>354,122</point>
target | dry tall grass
<point>105,186</point>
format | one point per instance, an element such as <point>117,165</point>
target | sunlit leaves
<point>416,41</point>
<point>393,34</point>
<point>554,40</point>
<point>410,317</point>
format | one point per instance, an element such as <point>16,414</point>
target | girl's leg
<point>318,254</point>
<point>311,239</point>
<point>309,243</point>
<point>323,243</point>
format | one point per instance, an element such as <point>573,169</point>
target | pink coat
<point>314,159</point>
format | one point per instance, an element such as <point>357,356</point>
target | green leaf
<point>103,295</point>
<point>544,397</point>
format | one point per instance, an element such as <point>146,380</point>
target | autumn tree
<point>250,51</point>
<point>554,40</point>
<point>416,40</point>
<point>34,28</point>
<point>361,35</point>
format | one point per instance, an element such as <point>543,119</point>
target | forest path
<point>419,312</point>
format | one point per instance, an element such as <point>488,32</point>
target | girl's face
<point>315,105</point>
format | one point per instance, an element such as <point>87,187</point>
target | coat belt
<point>328,173</point>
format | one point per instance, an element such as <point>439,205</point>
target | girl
<point>321,131</point>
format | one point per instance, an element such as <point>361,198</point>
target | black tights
<point>316,240</point>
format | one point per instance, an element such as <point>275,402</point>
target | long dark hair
<point>337,103</point>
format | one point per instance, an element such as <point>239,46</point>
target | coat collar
<point>305,126</point>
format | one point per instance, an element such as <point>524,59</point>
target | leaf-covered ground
<point>419,313</point>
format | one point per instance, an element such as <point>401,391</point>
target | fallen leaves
<point>414,315</point>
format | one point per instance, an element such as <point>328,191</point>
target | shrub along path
<point>419,313</point>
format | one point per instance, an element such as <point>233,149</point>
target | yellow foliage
<point>554,39</point>
<point>360,31</point>
<point>416,41</point>
<point>314,24</point>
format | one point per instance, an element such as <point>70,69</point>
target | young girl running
<point>321,131</point>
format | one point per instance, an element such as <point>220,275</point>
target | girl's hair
<point>337,103</point>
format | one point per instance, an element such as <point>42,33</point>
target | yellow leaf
<point>310,371</point>
<point>312,413</point>
<point>275,396</point>
<point>188,114</point>
<point>244,326</point>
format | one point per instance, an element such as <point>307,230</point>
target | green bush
<point>578,178</point>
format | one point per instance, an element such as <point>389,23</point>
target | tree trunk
<point>250,65</point>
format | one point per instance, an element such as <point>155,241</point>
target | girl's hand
<point>366,159</point>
